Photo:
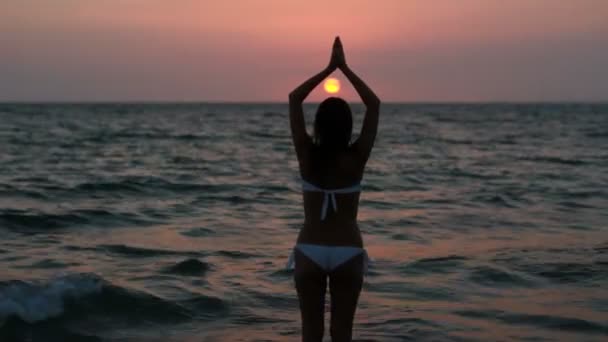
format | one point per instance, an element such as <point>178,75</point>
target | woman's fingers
<point>338,51</point>
<point>337,54</point>
<point>333,61</point>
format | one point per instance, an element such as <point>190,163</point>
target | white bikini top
<point>329,194</point>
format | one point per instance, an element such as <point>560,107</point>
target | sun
<point>332,85</point>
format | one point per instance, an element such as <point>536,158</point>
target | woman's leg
<point>345,282</point>
<point>311,283</point>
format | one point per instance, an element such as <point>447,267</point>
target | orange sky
<point>258,50</point>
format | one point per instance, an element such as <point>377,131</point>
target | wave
<point>36,302</point>
<point>495,200</point>
<point>88,295</point>
<point>563,272</point>
<point>416,292</point>
<point>141,185</point>
<point>555,160</point>
<point>48,263</point>
<point>189,267</point>
<point>575,205</point>
<point>17,330</point>
<point>451,263</point>
<point>183,160</point>
<point>143,252</point>
<point>159,135</point>
<point>18,219</point>
<point>457,172</point>
<point>7,190</point>
<point>122,187</point>
<point>601,249</point>
<point>198,232</point>
<point>542,321</point>
<point>597,134</point>
<point>235,254</point>
<point>29,220</point>
<point>492,276</point>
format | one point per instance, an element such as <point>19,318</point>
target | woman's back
<point>329,178</point>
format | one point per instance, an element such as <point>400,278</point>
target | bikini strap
<point>329,195</point>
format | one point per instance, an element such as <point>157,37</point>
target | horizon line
<point>257,102</point>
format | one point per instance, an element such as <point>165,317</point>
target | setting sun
<point>332,85</point>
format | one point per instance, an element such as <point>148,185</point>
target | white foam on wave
<point>35,302</point>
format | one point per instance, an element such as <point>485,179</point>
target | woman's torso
<point>339,171</point>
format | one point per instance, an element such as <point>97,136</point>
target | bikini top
<point>329,194</point>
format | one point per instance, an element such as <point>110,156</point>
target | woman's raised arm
<point>366,139</point>
<point>297,97</point>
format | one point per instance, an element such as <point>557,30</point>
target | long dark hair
<point>333,126</point>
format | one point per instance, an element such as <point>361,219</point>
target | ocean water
<point>173,222</point>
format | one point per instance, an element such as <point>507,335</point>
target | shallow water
<point>173,222</point>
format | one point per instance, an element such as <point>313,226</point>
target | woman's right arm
<point>366,139</point>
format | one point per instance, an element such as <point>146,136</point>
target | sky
<point>259,50</point>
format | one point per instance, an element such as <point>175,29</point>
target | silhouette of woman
<point>329,245</point>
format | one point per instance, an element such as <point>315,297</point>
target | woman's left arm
<point>296,113</point>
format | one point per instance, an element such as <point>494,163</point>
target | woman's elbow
<point>294,97</point>
<point>374,103</point>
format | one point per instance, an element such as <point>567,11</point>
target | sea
<point>174,222</point>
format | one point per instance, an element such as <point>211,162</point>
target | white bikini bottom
<point>328,257</point>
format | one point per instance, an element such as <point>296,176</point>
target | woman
<point>329,244</point>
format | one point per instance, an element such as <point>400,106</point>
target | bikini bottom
<point>328,257</point>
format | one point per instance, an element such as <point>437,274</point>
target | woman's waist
<point>344,234</point>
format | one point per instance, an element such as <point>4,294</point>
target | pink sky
<point>258,50</point>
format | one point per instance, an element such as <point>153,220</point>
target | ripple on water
<point>495,277</point>
<point>198,232</point>
<point>50,263</point>
<point>31,221</point>
<point>248,319</point>
<point>570,272</point>
<point>601,249</point>
<point>141,252</point>
<point>235,254</point>
<point>561,265</point>
<point>540,321</point>
<point>447,264</point>
<point>143,185</point>
<point>555,160</point>
<point>206,307</point>
<point>413,291</point>
<point>277,301</point>
<point>189,267</point>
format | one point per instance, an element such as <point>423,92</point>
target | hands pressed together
<point>337,60</point>
<point>371,101</point>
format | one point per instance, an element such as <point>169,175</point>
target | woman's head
<point>333,124</point>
